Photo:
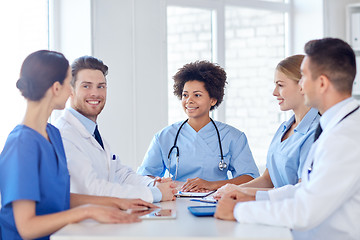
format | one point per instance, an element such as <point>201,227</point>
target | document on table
<point>193,194</point>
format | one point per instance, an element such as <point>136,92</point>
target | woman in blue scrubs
<point>292,141</point>
<point>34,179</point>
<point>207,149</point>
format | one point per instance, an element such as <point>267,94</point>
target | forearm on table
<point>31,226</point>
<point>264,181</point>
<point>259,182</point>
<point>80,199</point>
<point>237,181</point>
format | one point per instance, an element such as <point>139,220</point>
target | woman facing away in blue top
<point>34,179</point>
<point>292,141</point>
<point>207,150</point>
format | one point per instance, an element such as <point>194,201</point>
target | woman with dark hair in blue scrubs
<point>34,179</point>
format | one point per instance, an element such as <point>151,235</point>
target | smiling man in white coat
<point>93,168</point>
<point>326,204</point>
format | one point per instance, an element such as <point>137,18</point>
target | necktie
<point>98,137</point>
<point>318,132</point>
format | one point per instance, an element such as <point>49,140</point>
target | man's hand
<point>224,190</point>
<point>225,208</point>
<point>167,189</point>
<point>161,180</point>
<point>226,205</point>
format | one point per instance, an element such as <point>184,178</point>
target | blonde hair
<point>290,66</point>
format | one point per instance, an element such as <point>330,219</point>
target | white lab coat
<point>326,204</point>
<point>93,170</point>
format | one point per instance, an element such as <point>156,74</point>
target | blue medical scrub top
<point>285,159</point>
<point>32,168</point>
<point>200,153</point>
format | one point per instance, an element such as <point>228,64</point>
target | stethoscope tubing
<point>222,164</point>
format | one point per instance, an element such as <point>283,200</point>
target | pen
<point>204,201</point>
<point>211,192</point>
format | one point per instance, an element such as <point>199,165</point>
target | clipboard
<point>193,194</point>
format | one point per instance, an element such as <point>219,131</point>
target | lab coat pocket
<point>113,165</point>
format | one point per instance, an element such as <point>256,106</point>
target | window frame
<point>218,21</point>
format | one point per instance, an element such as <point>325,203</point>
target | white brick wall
<point>251,56</point>
<point>254,45</point>
<point>189,39</point>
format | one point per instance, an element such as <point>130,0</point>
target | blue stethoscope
<point>222,164</point>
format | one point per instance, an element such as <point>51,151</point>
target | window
<point>252,39</point>
<point>189,39</point>
<point>24,29</point>
<point>255,43</point>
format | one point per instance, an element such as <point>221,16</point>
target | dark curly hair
<point>212,75</point>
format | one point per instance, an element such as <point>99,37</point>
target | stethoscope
<point>222,164</point>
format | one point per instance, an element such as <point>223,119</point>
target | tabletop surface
<point>184,226</point>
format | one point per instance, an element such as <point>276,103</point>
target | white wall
<point>308,23</point>
<point>319,18</point>
<point>335,17</point>
<point>70,27</point>
<point>129,36</point>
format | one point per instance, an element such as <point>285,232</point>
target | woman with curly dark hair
<point>200,151</point>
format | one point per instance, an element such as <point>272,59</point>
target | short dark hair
<point>39,71</point>
<point>212,75</point>
<point>87,62</point>
<point>335,59</point>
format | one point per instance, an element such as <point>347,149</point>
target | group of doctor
<point>48,173</point>
<point>325,204</point>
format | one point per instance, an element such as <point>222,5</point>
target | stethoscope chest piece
<point>222,165</point>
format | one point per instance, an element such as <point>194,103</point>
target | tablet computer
<point>156,213</point>
<point>202,211</point>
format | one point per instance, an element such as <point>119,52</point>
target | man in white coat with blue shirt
<point>93,168</point>
<point>326,204</point>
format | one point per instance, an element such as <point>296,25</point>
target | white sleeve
<point>277,194</point>
<point>125,174</point>
<point>287,191</point>
<point>85,179</point>
<point>318,199</point>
